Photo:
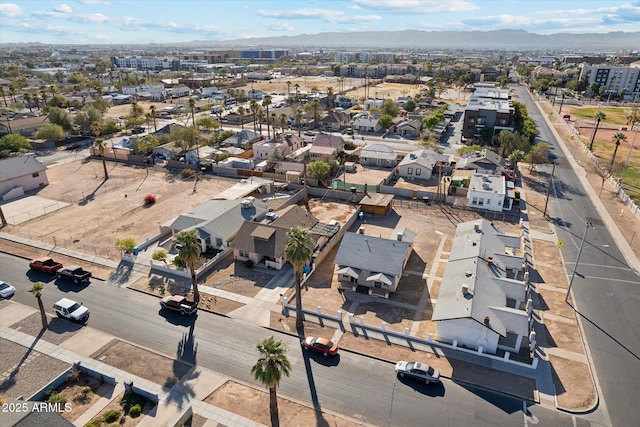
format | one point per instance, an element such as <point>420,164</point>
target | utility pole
<point>575,266</point>
<point>546,203</point>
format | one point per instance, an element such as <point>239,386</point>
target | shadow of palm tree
<point>121,274</point>
<point>185,358</point>
<point>320,420</point>
<point>89,197</point>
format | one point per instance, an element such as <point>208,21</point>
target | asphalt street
<point>351,384</point>
<point>606,289</point>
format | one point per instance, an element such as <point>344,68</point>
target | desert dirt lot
<point>102,211</point>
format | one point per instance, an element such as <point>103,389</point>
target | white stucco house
<point>490,192</point>
<point>21,174</point>
<point>419,164</point>
<point>483,299</point>
<point>367,124</point>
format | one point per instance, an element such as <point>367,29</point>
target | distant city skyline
<point>142,22</point>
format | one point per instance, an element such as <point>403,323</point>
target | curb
<point>28,258</point>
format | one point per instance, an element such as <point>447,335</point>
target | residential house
<point>485,161</point>
<point>335,121</point>
<point>218,221</point>
<point>326,147</point>
<point>490,192</point>
<point>420,164</point>
<point>279,147</point>
<point>264,241</point>
<point>408,128</point>
<point>367,123</point>
<point>379,155</point>
<point>243,139</point>
<point>483,291</point>
<point>170,150</point>
<point>25,124</point>
<point>374,262</point>
<point>21,174</point>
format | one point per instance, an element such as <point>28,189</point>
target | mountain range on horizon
<point>419,39</point>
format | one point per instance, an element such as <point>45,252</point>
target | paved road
<point>352,385</point>
<point>606,289</point>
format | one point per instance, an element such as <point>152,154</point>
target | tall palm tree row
<point>298,251</point>
<point>189,254</point>
<point>270,367</point>
<point>36,289</point>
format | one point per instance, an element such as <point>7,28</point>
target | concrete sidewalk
<point>196,385</point>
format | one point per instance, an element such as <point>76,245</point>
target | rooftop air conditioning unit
<point>465,289</point>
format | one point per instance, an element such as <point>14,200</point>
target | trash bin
<point>136,250</point>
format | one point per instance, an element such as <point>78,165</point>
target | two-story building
<point>490,192</point>
<point>278,147</point>
<point>488,108</point>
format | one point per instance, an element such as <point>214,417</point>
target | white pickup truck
<point>71,310</point>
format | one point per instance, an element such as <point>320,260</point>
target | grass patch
<point>615,115</point>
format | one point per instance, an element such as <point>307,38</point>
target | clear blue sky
<point>162,21</point>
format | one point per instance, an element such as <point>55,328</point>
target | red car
<point>320,345</point>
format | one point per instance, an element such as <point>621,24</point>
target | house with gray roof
<point>379,155</point>
<point>326,147</point>
<point>408,128</point>
<point>242,139</point>
<point>218,221</point>
<point>483,295</point>
<point>263,240</point>
<point>21,174</point>
<point>419,164</point>
<point>485,161</point>
<point>372,261</point>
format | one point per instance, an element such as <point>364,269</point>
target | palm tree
<point>266,101</point>
<point>189,254</point>
<point>101,145</point>
<point>283,121</point>
<point>241,115</point>
<point>298,252</point>
<point>617,138</point>
<point>192,107</point>
<point>314,105</point>
<point>330,98</point>
<point>296,86</point>
<point>28,99</point>
<point>254,107</point>
<point>299,116</point>
<point>153,115</point>
<point>598,118</point>
<point>288,83</point>
<point>36,290</point>
<point>273,120</point>
<point>270,367</point>
<point>3,97</point>
<point>259,118</point>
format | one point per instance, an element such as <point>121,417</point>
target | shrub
<point>54,397</point>
<point>135,411</point>
<point>187,173</point>
<point>112,416</point>
<point>85,395</point>
<point>94,423</point>
<point>248,263</point>
<point>131,400</point>
<point>149,199</point>
<point>125,245</point>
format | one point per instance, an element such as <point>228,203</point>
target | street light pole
<point>546,203</point>
<point>575,266</point>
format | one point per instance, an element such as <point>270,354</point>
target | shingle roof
<point>372,254</point>
<point>13,167</point>
<point>269,239</point>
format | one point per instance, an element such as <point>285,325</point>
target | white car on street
<point>6,290</point>
<point>418,370</point>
